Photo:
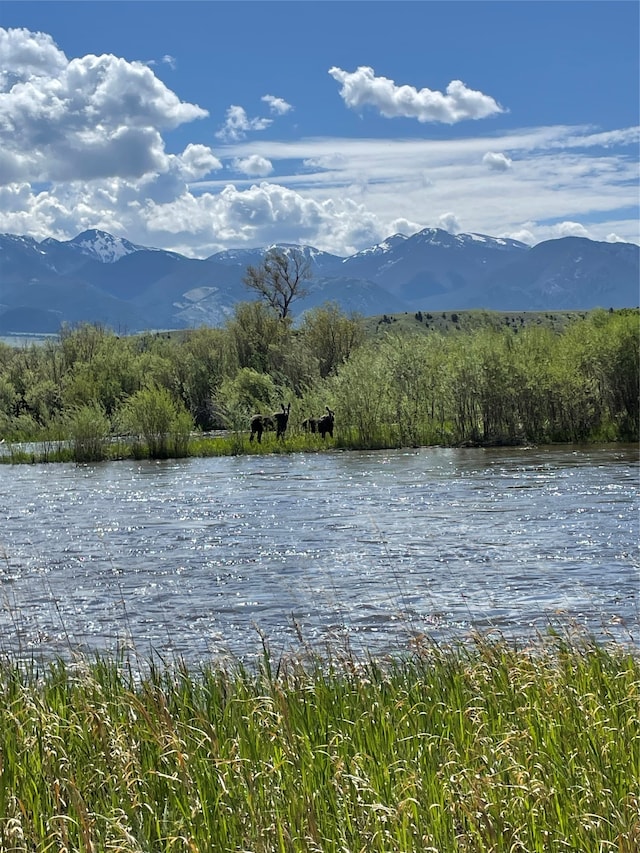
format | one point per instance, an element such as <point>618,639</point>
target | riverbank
<point>481,747</point>
<point>199,445</point>
<point>227,443</point>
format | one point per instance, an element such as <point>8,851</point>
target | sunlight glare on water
<point>194,558</point>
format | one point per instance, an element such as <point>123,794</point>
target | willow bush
<point>493,386</point>
<point>331,336</point>
<point>533,357</point>
<point>485,382</point>
<point>407,392</point>
<point>160,420</point>
<point>359,393</point>
<point>88,428</point>
<point>612,360</point>
<point>199,370</point>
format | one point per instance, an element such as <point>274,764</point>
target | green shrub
<point>164,424</point>
<point>88,428</point>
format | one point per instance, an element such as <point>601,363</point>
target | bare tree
<point>279,279</point>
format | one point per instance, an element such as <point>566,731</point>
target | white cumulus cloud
<point>362,88</point>
<point>25,54</point>
<point>403,226</point>
<point>496,162</point>
<point>238,124</point>
<point>253,166</point>
<point>523,234</point>
<point>449,222</point>
<point>277,105</point>
<point>569,229</point>
<point>80,119</point>
<point>198,161</point>
<point>261,214</point>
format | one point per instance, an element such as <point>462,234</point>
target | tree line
<point>485,386</point>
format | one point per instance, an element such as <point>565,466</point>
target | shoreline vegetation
<point>481,747</point>
<point>206,446</point>
<point>460,379</point>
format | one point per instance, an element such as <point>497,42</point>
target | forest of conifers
<point>482,385</point>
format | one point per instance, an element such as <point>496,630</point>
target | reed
<point>482,747</point>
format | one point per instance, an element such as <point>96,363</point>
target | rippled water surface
<point>198,557</point>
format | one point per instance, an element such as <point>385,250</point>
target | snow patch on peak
<point>391,242</point>
<point>484,238</point>
<point>287,248</point>
<point>102,246</point>
<point>437,237</point>
<point>495,242</point>
<point>381,248</point>
<point>24,242</point>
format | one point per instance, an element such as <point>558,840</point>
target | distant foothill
<point>99,278</point>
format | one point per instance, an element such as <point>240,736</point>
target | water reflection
<point>196,557</point>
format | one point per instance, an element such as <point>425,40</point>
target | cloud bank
<point>80,119</point>
<point>82,145</point>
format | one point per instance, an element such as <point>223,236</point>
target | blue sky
<point>201,126</point>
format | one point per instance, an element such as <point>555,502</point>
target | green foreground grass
<point>481,747</point>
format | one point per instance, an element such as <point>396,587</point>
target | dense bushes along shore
<point>482,383</point>
<point>479,749</point>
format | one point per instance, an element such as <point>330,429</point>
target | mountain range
<point>99,278</point>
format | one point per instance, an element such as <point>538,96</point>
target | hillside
<point>98,278</point>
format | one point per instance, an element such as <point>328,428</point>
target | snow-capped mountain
<point>102,246</point>
<point>432,262</point>
<point>94,244</point>
<point>96,277</point>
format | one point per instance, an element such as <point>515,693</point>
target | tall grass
<point>476,748</point>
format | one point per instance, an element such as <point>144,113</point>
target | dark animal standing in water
<point>323,425</point>
<point>277,421</point>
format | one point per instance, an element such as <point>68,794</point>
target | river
<point>202,559</point>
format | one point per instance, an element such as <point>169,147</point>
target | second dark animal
<point>323,425</point>
<point>277,421</point>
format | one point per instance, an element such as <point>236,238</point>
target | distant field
<point>454,321</point>
<point>449,321</point>
<point>407,321</point>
